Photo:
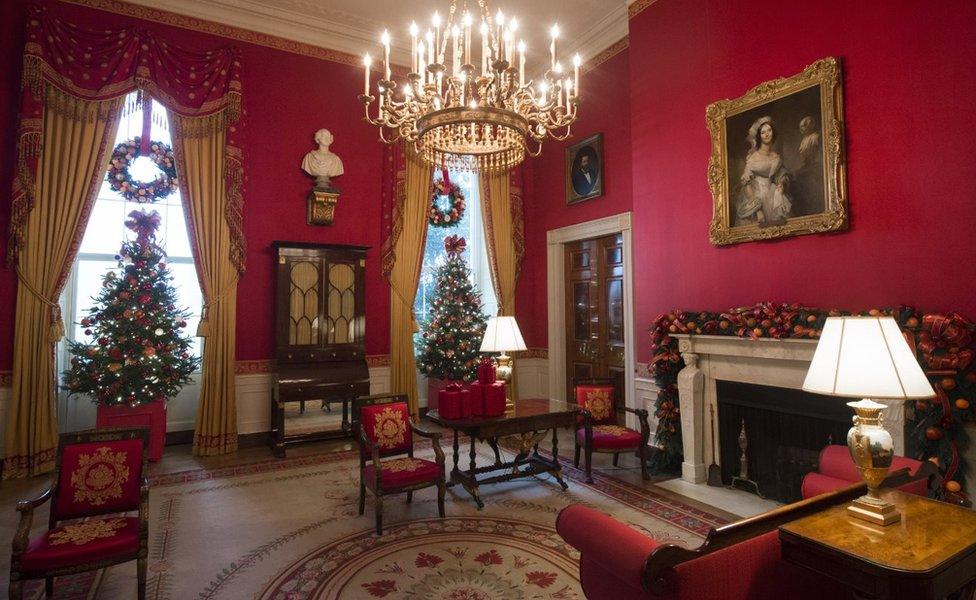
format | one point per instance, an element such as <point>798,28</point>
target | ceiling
<point>354,26</point>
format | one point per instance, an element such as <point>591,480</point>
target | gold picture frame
<point>584,169</point>
<point>777,166</point>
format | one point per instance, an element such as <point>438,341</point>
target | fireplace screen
<point>785,429</point>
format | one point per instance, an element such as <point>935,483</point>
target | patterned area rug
<point>289,530</point>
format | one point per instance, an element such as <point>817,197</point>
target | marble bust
<point>322,164</point>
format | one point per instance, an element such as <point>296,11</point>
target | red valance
<point>64,59</point>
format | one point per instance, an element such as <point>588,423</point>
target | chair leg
<point>588,451</point>
<point>616,459</point>
<point>642,451</point>
<point>576,457</point>
<point>409,497</point>
<point>16,590</point>
<point>441,492</point>
<point>141,564</point>
<point>378,506</point>
<point>362,498</point>
<point>48,587</point>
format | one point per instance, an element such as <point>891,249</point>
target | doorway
<point>594,299</point>
<point>558,268</point>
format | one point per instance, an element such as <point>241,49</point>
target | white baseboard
<point>533,377</point>
<point>254,397</point>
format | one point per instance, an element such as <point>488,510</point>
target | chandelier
<point>472,115</point>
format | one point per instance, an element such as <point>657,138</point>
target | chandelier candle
<point>460,116</point>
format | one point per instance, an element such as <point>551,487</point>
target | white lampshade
<point>865,357</point>
<point>502,335</point>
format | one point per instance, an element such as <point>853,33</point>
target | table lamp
<point>868,358</point>
<point>502,335</point>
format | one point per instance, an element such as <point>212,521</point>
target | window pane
<point>90,276</point>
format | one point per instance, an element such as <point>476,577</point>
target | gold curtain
<point>209,202</point>
<point>501,205</point>
<point>72,148</point>
<point>410,237</point>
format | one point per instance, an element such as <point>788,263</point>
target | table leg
<point>555,458</point>
<point>472,454</point>
<point>473,489</point>
<point>456,450</point>
<point>493,442</point>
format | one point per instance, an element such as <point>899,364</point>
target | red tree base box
<point>151,415</point>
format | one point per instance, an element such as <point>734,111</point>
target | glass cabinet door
<point>340,313</point>
<point>304,295</point>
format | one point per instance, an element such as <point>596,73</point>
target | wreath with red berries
<point>446,204</point>
<point>121,181</point>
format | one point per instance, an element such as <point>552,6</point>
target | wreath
<point>445,213</point>
<point>120,180</point>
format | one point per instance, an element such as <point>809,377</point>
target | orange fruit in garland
<point>912,322</point>
<point>953,486</point>
<point>948,383</point>
<point>933,433</point>
<point>962,403</point>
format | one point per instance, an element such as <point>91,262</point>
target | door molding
<point>556,283</point>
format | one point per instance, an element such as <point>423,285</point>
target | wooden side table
<point>930,554</point>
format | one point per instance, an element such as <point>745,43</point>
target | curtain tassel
<point>203,328</point>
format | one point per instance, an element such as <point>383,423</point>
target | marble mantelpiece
<point>709,359</point>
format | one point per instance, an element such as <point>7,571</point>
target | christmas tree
<point>139,351</point>
<point>451,336</point>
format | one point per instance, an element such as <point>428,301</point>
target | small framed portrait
<point>584,170</point>
<point>777,162</point>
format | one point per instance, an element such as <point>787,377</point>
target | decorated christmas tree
<point>451,336</point>
<point>139,352</point>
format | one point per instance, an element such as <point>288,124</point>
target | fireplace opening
<point>785,430</point>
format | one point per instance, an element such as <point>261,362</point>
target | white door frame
<point>556,269</point>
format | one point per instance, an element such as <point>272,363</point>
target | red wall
<point>909,85</point>
<point>606,103</point>
<point>287,97</point>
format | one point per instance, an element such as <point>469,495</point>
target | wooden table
<point>528,423</point>
<point>930,554</point>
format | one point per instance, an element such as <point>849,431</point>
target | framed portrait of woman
<point>777,163</point>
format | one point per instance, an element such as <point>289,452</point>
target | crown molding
<point>341,36</point>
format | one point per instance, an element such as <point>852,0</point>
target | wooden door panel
<point>594,298</point>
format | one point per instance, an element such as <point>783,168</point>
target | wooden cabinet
<point>320,327</point>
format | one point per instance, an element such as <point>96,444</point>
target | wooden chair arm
<point>26,510</point>
<point>375,452</point>
<point>640,412</point>
<point>435,439</point>
<point>144,504</point>
<point>645,427</point>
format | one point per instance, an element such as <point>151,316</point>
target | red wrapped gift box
<point>467,404</point>
<point>486,371</point>
<point>449,402</point>
<point>494,404</point>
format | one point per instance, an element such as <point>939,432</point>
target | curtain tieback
<point>203,329</point>
<point>413,314</point>
<point>56,329</point>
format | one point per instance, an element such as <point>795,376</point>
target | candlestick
<point>577,61</point>
<point>466,21</point>
<point>552,46</point>
<point>484,48</point>
<point>367,62</point>
<point>521,50</point>
<point>422,61</point>
<point>385,39</point>
<point>414,31</point>
<point>455,49</point>
<point>435,54</point>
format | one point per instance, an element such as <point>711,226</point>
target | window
<point>106,229</point>
<point>475,253</point>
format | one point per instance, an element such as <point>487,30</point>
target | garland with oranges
<point>943,345</point>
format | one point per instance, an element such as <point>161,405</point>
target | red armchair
<point>99,475</point>
<point>836,470</point>
<point>382,424</point>
<point>598,431</point>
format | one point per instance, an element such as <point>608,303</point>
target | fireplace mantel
<point>763,361</point>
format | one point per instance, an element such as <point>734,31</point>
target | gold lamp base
<point>503,370</point>
<point>874,510</point>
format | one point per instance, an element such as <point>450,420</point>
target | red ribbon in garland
<point>454,244</point>
<point>145,225</point>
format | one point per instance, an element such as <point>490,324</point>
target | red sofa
<point>615,560</point>
<point>836,470</point>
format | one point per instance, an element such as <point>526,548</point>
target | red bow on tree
<point>145,225</point>
<point>454,244</point>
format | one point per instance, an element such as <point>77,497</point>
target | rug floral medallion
<point>290,530</point>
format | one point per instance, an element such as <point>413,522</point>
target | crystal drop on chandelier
<point>463,116</point>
